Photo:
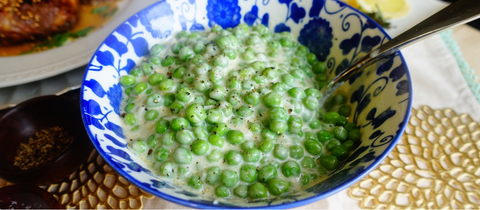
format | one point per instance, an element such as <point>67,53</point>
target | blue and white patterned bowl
<point>381,96</point>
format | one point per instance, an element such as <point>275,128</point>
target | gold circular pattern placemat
<point>435,165</point>
<point>95,185</point>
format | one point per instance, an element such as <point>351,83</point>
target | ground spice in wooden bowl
<point>42,147</point>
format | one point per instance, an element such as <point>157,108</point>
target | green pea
<point>234,137</point>
<point>298,74</point>
<point>215,156</point>
<point>233,157</point>
<point>154,100</point>
<point>308,162</point>
<point>220,129</point>
<point>345,110</point>
<point>257,190</point>
<point>233,83</point>
<point>278,126</point>
<point>266,173</point>
<point>279,87</point>
<point>129,119</point>
<point>155,79</point>
<point>277,186</point>
<point>140,87</point>
<point>266,146</point>
<point>248,173</point>
<point>216,140</point>
<point>246,145</point>
<point>151,115</point>
<point>168,61</point>
<point>213,116</point>
<point>290,168</point>
<point>277,113</point>
<point>244,111</point>
<point>185,53</point>
<point>350,126</point>
<point>273,44</point>
<point>311,103</point>
<point>166,85</point>
<point>254,127</point>
<point>156,49</point>
<point>184,137</point>
<point>313,147</point>
<point>200,147</point>
<point>198,59</point>
<point>182,156</point>
<point>354,135</point>
<point>222,192</point>
<point>349,145</point>
<point>319,67</point>
<point>295,124</point>
<point>288,80</point>
<point>147,68</point>
<point>252,98</point>
<point>340,152</point>
<point>313,92</point>
<point>305,179</point>
<point>268,134</point>
<point>195,182</point>
<point>200,132</point>
<point>272,99</point>
<point>251,155</point>
<point>331,144</point>
<point>324,136</point>
<point>321,77</point>
<point>314,124</point>
<point>127,80</point>
<point>213,175</point>
<point>166,169</point>
<point>296,152</point>
<point>247,55</point>
<point>136,72</point>
<point>259,79</point>
<point>129,107</point>
<point>310,136</point>
<point>311,58</point>
<point>195,113</point>
<point>280,151</point>
<point>161,154</point>
<point>168,138</point>
<point>138,146</point>
<point>329,162</point>
<point>218,93</point>
<point>179,123</point>
<point>184,95</point>
<point>229,178</point>
<point>331,118</point>
<point>176,107</point>
<point>168,99</point>
<point>241,191</point>
<point>340,133</point>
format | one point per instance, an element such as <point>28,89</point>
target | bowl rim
<point>293,204</point>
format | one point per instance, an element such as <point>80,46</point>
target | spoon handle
<point>459,12</point>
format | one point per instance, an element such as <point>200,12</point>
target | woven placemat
<point>435,165</point>
<point>95,185</point>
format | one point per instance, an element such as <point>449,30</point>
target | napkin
<point>437,82</point>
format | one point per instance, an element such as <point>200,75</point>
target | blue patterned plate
<point>380,96</point>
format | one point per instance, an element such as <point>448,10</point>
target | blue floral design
<point>162,12</point>
<point>224,13</point>
<point>317,36</point>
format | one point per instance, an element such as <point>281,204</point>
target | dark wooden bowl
<point>27,197</point>
<point>24,120</point>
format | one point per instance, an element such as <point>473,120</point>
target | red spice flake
<point>42,147</point>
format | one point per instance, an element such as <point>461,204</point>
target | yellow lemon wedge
<point>389,8</point>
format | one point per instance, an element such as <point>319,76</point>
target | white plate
<point>419,10</point>
<point>21,69</point>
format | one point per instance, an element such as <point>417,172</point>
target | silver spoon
<point>457,13</point>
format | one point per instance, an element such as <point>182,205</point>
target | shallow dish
<point>337,34</point>
<point>23,121</point>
